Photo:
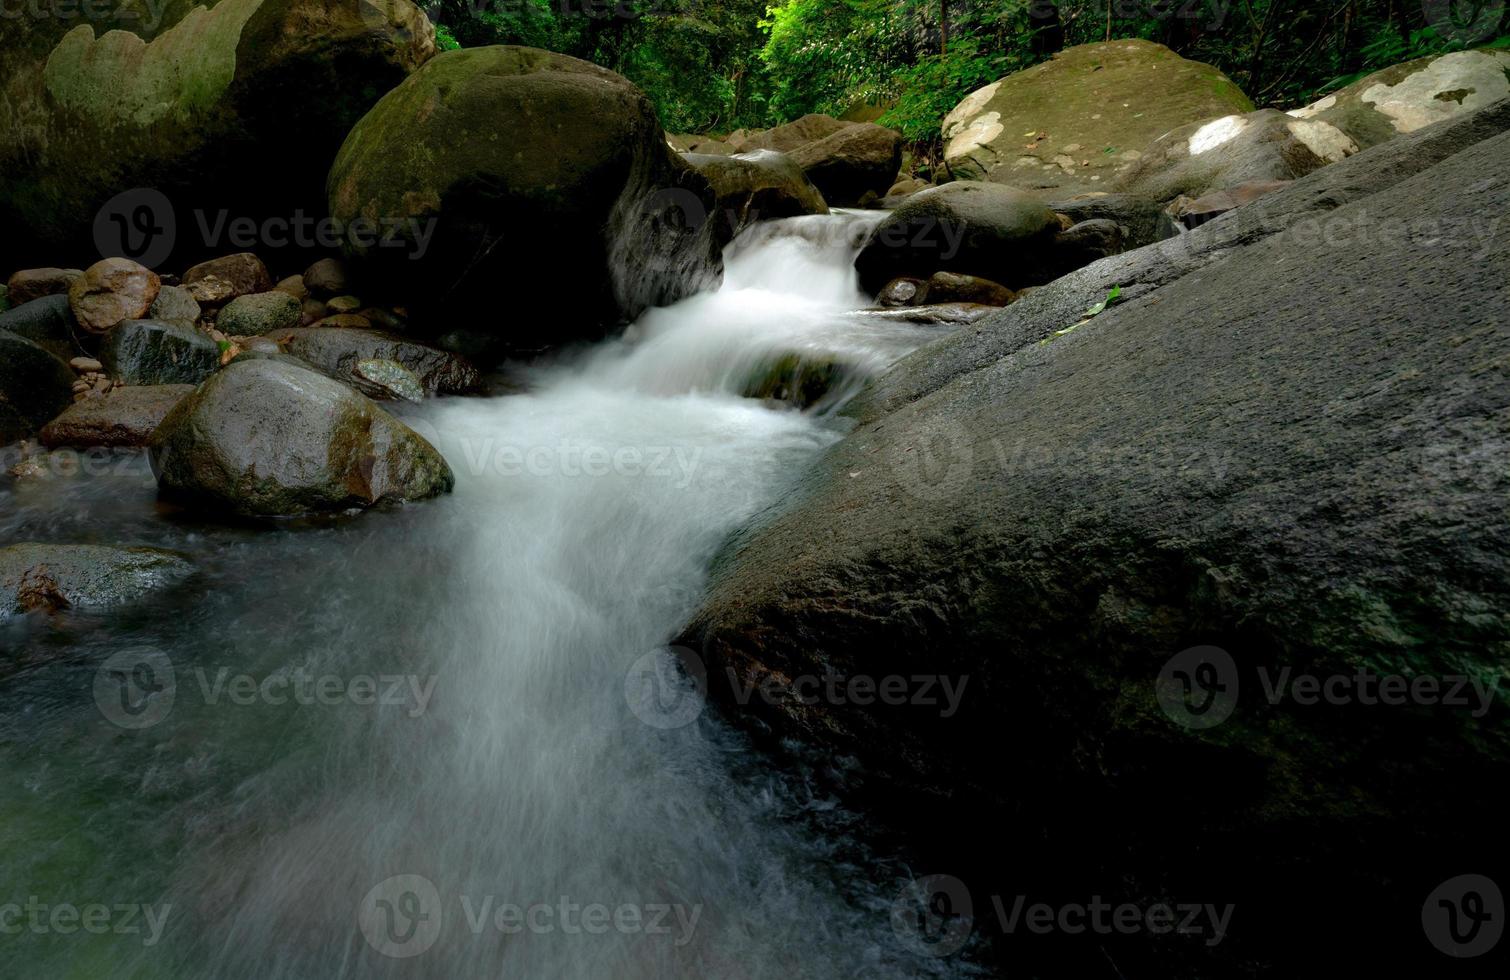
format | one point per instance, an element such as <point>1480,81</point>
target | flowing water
<point>439,742</point>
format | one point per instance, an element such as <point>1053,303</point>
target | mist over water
<point>532,759</point>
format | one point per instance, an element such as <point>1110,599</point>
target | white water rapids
<point>531,807</point>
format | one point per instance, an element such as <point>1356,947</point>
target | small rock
<point>243,272</point>
<point>175,305</point>
<point>259,313</point>
<point>347,321</point>
<point>313,311</point>
<point>55,577</point>
<point>294,286</point>
<point>904,291</point>
<point>110,291</point>
<point>211,292</point>
<point>30,284</point>
<point>953,287</point>
<point>384,379</point>
<point>84,365</point>
<point>343,304</point>
<point>326,278</point>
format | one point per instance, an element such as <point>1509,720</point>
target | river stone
<point>52,577</point>
<point>386,380</point>
<point>293,286</point>
<point>219,281</point>
<point>1142,220</point>
<point>1089,241</point>
<point>1241,149</point>
<point>343,304</point>
<point>903,291</point>
<point>326,278</point>
<point>110,291</point>
<point>211,104</point>
<point>175,305</point>
<point>123,417</point>
<point>1261,450</point>
<point>268,439</point>
<point>1074,123</point>
<point>259,313</point>
<point>756,186</point>
<point>951,287</point>
<point>1405,97</point>
<point>343,321</point>
<point>929,315</point>
<point>46,322</point>
<point>988,230</point>
<point>844,160</point>
<point>155,352</point>
<point>597,210</point>
<point>337,353</point>
<point>702,145</point>
<point>29,284</point>
<point>34,387</point>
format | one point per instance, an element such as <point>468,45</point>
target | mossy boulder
<point>202,106</point>
<point>265,438</point>
<point>1406,97</point>
<point>1074,123</point>
<point>512,164</point>
<point>756,186</point>
<point>258,313</point>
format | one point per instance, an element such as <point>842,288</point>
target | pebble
<point>84,365</point>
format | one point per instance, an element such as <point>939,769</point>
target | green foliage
<point>718,65</point>
<point>444,39</point>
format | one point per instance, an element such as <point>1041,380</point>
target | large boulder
<point>1264,448</point>
<point>1215,154</point>
<point>1074,123</point>
<point>264,438</point>
<point>158,352</point>
<point>846,161</point>
<point>979,229</point>
<point>514,165</point>
<point>1405,97</point>
<point>756,186</point>
<point>197,103</point>
<point>122,418</point>
<point>54,577</point>
<point>341,352</point>
<point>34,387</point>
<point>110,291</point>
<point>47,322</point>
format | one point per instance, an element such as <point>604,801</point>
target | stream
<point>448,740</point>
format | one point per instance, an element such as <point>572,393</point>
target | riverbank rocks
<point>511,164</point>
<point>326,278</point>
<point>1405,97</point>
<point>259,313</point>
<point>264,438</point>
<point>56,577</point>
<point>1216,154</point>
<point>34,387</point>
<point>987,230</point>
<point>175,305</point>
<point>1141,220</point>
<point>756,186</point>
<point>704,145</point>
<point>155,352</point>
<point>1074,123</point>
<point>29,284</point>
<point>340,354</point>
<point>110,291</point>
<point>47,322</point>
<point>200,110</point>
<point>845,160</point>
<point>126,417</point>
<point>1259,461</point>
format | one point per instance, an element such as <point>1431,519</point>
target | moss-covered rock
<point>258,313</point>
<point>156,352</point>
<point>265,438</point>
<point>1075,122</point>
<point>515,164</point>
<point>55,577</point>
<point>202,106</point>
